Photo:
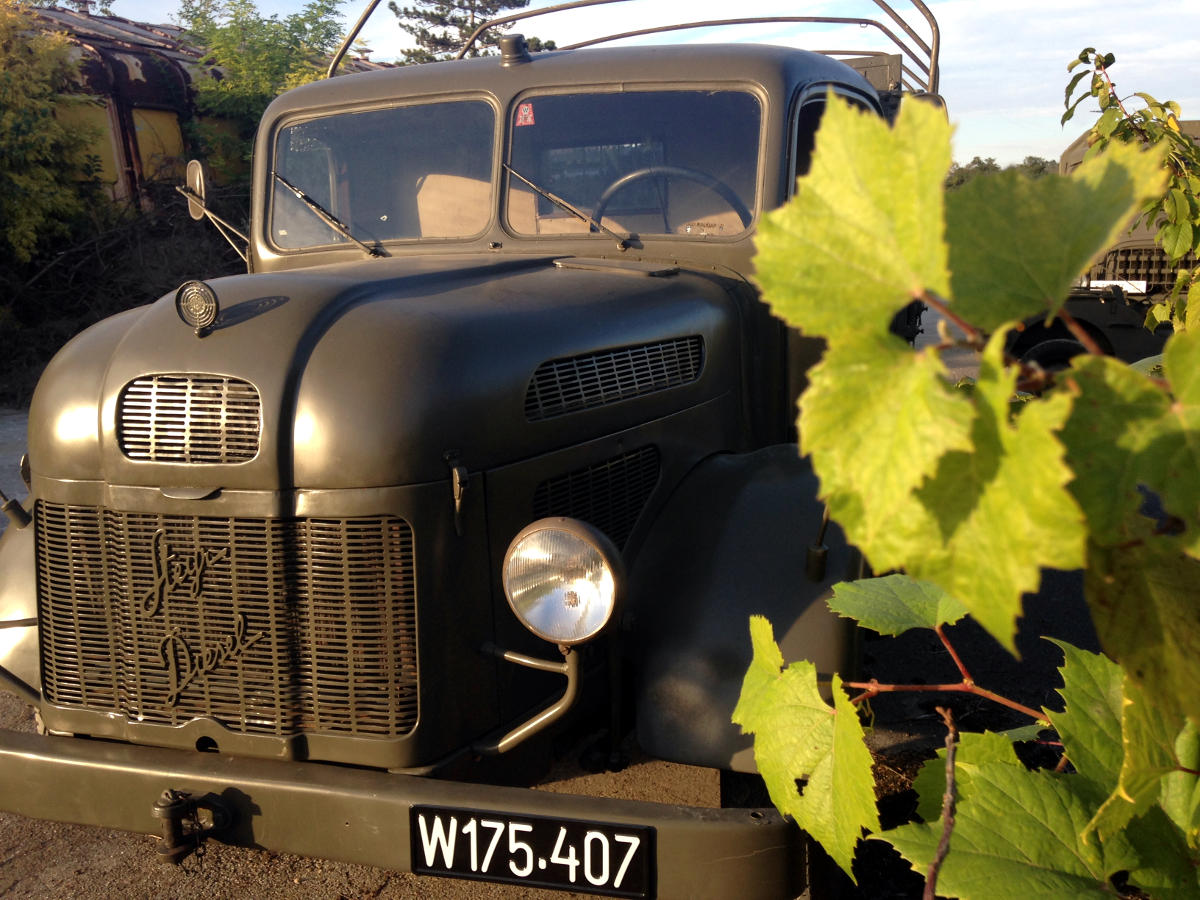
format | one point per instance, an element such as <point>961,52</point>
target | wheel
<point>1053,355</point>
<point>718,187</point>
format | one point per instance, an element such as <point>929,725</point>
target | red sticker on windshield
<point>525,114</point>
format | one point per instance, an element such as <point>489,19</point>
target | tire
<point>1053,355</point>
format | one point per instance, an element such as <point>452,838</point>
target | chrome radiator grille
<point>276,627</point>
<point>189,419</point>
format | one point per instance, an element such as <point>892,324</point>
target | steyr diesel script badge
<point>183,574</point>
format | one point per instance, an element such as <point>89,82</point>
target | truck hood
<point>369,374</point>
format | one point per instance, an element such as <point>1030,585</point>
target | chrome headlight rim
<point>597,542</point>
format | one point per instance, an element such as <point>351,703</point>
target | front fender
<point>732,542</point>
<point>18,601</point>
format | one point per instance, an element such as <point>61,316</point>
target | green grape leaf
<point>1090,725</point>
<point>1176,239</point>
<point>1143,603</point>
<point>1180,797</point>
<point>1148,737</point>
<point>1157,314</point>
<point>1015,836</point>
<point>865,223</point>
<point>1162,864</point>
<point>876,419</point>
<point>1178,205</point>
<point>1110,427</point>
<point>797,736</point>
<point>973,750</point>
<point>1018,244</point>
<point>895,604</point>
<point>1172,459</point>
<point>1071,85</point>
<point>1003,511</point>
<point>1192,311</point>
<point>1107,123</point>
<point>1023,733</point>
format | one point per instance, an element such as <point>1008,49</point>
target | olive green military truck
<point>493,440</point>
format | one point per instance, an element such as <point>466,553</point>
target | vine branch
<point>962,669</point>
<point>1080,333</point>
<point>933,301</point>
<point>873,688</point>
<point>949,800</point>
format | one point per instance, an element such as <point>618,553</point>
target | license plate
<point>566,854</point>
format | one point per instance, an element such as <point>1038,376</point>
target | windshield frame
<point>755,207</point>
<point>280,127</point>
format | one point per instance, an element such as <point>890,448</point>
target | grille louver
<point>275,627</point>
<point>578,383</point>
<point>192,419</point>
<point>1150,264</point>
<point>610,495</point>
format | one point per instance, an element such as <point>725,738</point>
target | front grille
<point>269,626</point>
<point>610,494</point>
<point>578,383</point>
<point>189,419</point>
<point>1149,264</point>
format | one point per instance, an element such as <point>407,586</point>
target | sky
<point>1003,62</point>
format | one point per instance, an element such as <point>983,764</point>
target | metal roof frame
<point>919,56</point>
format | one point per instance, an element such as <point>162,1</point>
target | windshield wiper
<point>327,217</point>
<point>562,204</point>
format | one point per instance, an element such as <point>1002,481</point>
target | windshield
<point>389,174</point>
<point>600,164</point>
<point>639,163</point>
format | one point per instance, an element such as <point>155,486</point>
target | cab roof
<point>779,71</point>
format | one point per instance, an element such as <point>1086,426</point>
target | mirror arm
<point>220,224</point>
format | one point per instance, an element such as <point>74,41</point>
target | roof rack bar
<point>761,20</point>
<point>926,59</point>
<point>526,14</point>
<point>350,36</point>
<point>904,26</point>
<point>935,36</point>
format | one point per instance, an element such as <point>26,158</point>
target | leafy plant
<point>257,57</point>
<point>37,204</point>
<point>989,494</point>
<point>1033,166</point>
<point>1174,213</point>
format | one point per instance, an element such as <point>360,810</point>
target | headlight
<point>562,578</point>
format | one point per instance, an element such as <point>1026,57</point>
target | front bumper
<point>362,816</point>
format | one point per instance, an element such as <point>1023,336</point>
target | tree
<point>1036,166</point>
<point>1031,166</point>
<point>441,27</point>
<point>960,175</point>
<point>258,57</point>
<point>36,202</point>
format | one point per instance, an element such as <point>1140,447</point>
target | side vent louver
<point>609,494</point>
<point>577,383</point>
<point>189,419</point>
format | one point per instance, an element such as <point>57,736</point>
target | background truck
<point>494,438</point>
<point>1114,298</point>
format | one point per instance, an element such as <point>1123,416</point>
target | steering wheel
<point>718,187</point>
